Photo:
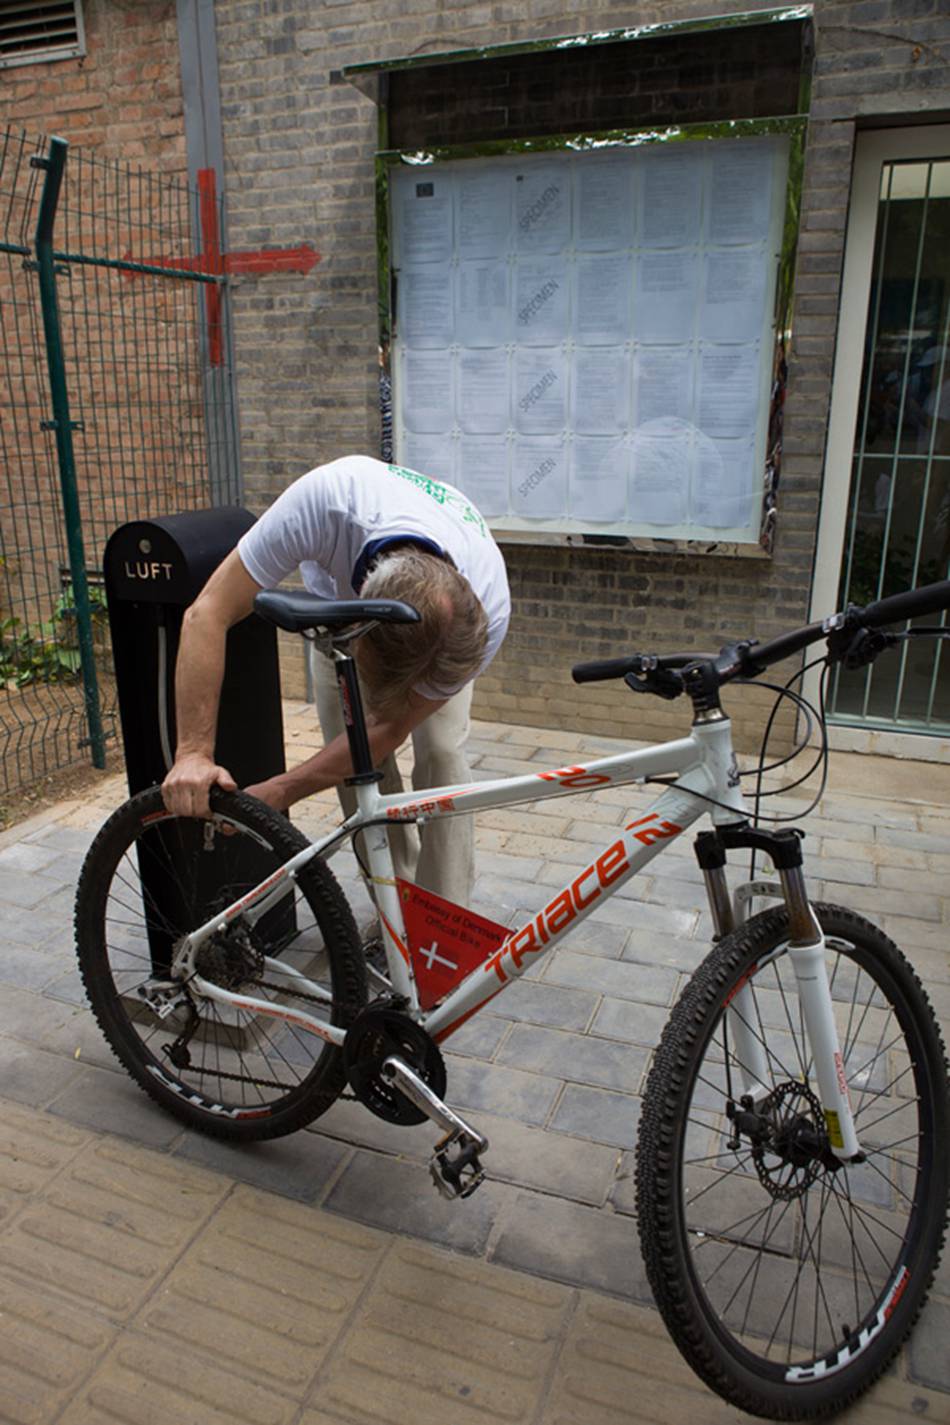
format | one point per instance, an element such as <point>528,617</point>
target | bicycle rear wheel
<point>149,879</point>
<point>787,1280</point>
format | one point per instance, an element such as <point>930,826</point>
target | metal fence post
<point>63,427</point>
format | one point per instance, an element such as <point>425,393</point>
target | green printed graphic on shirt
<point>443,495</point>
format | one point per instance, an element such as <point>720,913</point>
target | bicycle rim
<point>149,879</point>
<point>788,1281</point>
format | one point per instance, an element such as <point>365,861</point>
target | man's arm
<point>331,765</point>
<point>227,598</point>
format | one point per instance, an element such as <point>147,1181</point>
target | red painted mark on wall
<point>219,264</point>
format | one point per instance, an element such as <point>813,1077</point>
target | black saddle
<point>298,613</point>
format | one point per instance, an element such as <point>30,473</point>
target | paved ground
<point>149,1274</point>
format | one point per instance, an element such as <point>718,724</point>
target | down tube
<point>640,841</point>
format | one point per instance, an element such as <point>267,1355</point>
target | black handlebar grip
<point>929,599</point>
<point>604,668</point>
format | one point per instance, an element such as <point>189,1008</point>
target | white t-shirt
<point>329,524</point>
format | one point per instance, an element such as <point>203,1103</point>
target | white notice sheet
<point>723,484</point>
<point>598,484</point>
<point>600,390</point>
<point>483,311</point>
<point>427,391</point>
<point>659,473</point>
<point>665,300</point>
<point>740,191</point>
<point>425,204</point>
<point>483,207</point>
<point>483,473</point>
<point>543,208</point>
<point>542,301</point>
<point>539,478</point>
<point>727,400</point>
<point>734,295</point>
<point>429,454</point>
<point>604,286</point>
<point>425,305</point>
<point>603,202</point>
<point>670,188</point>
<point>483,390</point>
<point>663,383</point>
<point>540,394</point>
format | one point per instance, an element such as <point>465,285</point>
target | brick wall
<point>299,167</point>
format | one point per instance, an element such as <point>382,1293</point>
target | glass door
<point>897,526</point>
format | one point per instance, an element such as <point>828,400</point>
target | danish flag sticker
<point>446,941</point>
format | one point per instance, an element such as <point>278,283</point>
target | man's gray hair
<point>445,650</point>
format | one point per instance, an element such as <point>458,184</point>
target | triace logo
<point>446,941</point>
<point>652,829</point>
<point>575,777</point>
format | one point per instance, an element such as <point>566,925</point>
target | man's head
<point>445,650</point>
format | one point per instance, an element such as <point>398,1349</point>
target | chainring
<point>374,1036</point>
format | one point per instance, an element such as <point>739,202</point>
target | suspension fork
<point>806,951</point>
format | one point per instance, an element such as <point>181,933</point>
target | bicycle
<point>792,1169</point>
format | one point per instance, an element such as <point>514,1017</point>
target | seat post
<point>354,720</point>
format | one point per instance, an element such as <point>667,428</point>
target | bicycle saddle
<point>298,612</point>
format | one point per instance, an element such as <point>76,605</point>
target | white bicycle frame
<point>707,781</point>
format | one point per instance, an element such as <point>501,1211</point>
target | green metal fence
<point>115,404</point>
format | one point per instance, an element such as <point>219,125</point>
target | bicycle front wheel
<point>787,1279</point>
<point>148,880</point>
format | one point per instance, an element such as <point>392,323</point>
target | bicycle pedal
<point>163,997</point>
<point>457,1174</point>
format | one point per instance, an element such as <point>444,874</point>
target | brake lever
<point>858,649</point>
<point>664,682</point>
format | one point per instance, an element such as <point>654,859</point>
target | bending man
<point>357,528</point>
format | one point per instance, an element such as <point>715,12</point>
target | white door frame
<point>873,149</point>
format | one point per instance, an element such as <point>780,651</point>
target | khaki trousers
<point>442,857</point>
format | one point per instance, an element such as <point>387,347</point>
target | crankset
<point>379,1033</point>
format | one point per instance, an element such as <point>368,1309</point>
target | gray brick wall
<point>299,168</point>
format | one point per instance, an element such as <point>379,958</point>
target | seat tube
<point>806,950</point>
<point>382,877</point>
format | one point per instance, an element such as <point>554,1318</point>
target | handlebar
<point>660,672</point>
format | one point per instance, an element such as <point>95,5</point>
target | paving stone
<point>28,968</point>
<point>928,1358</point>
<point>298,1166</point>
<point>624,1189</point>
<point>143,1380</point>
<point>619,1367</point>
<point>23,857</point>
<point>648,947</point>
<point>34,1149</point>
<point>46,1351</point>
<point>109,1226</point>
<point>633,1023</point>
<point>598,1114</point>
<point>575,1057</point>
<point>575,1244</point>
<point>64,838</point>
<point>479,1037</point>
<point>641,915</point>
<point>648,984</point>
<point>401,1197</point>
<point>555,1163</point>
<point>69,988</point>
<point>506,1091</point>
<point>109,1100</point>
<point>30,1076</point>
<point>349,1122</point>
<point>27,890</point>
<point>441,1340</point>
<point>535,1003</point>
<point>266,1288</point>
